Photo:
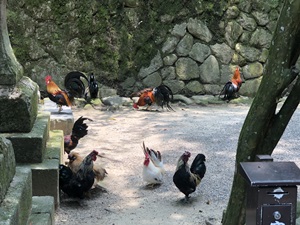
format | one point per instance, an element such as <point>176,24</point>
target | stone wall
<point>192,46</point>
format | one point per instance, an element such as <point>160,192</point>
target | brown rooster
<point>74,163</point>
<point>186,178</point>
<point>161,95</point>
<point>79,130</point>
<point>55,94</point>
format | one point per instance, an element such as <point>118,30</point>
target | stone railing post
<point>10,69</point>
<point>18,94</point>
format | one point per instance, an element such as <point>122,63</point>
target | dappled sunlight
<point>211,130</point>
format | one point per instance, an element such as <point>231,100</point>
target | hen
<point>161,95</point>
<point>75,160</point>
<point>186,178</point>
<point>232,87</point>
<point>55,94</point>
<point>79,130</point>
<point>153,168</point>
<point>77,184</point>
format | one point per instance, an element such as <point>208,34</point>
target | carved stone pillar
<point>18,94</point>
<point>10,69</point>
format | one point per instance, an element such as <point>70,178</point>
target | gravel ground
<point>212,130</point>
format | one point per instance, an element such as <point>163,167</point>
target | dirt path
<point>211,130</point>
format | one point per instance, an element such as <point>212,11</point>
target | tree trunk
<point>264,126</point>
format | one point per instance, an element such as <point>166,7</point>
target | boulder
<point>209,71</point>
<point>198,29</point>
<point>223,52</point>
<point>199,52</point>
<point>186,69</point>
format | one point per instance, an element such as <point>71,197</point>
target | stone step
<point>45,175</point>
<point>7,165</point>
<point>59,120</point>
<point>30,147</point>
<point>43,211</point>
<point>16,205</point>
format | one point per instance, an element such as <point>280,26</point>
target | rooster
<point>74,84</point>
<point>79,130</point>
<point>186,178</point>
<point>153,168</point>
<point>160,95</point>
<point>232,87</point>
<point>77,184</point>
<point>55,94</point>
<point>93,87</point>
<point>74,163</point>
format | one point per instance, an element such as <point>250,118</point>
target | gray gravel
<point>212,130</point>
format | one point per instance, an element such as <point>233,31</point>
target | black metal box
<point>271,192</point>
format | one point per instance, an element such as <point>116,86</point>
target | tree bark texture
<point>265,124</point>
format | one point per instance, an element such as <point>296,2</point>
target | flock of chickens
<point>81,174</point>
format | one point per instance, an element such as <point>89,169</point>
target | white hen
<point>153,168</point>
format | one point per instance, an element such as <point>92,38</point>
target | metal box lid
<point>270,173</point>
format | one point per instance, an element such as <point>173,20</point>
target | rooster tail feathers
<point>75,75</point>
<point>145,149</point>
<point>154,155</point>
<point>228,91</point>
<point>74,84</point>
<point>166,90</point>
<point>225,88</point>
<point>80,128</point>
<point>163,95</point>
<point>198,166</point>
<point>68,98</point>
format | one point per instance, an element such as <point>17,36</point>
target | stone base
<point>18,109</point>
<point>16,206</point>
<point>45,175</point>
<point>63,120</point>
<point>42,212</point>
<point>30,147</point>
<point>7,165</point>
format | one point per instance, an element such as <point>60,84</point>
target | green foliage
<point>116,40</point>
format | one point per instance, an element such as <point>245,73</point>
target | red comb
<point>48,77</point>
<point>135,106</point>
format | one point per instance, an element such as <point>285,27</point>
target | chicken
<point>75,160</point>
<point>160,95</point>
<point>186,178</point>
<point>74,84</point>
<point>93,87</point>
<point>79,130</point>
<point>55,94</point>
<point>77,184</point>
<point>232,87</point>
<point>153,168</point>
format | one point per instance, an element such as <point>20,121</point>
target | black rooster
<point>161,95</point>
<point>79,130</point>
<point>74,84</point>
<point>93,87</point>
<point>232,87</point>
<point>77,184</point>
<point>186,178</point>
